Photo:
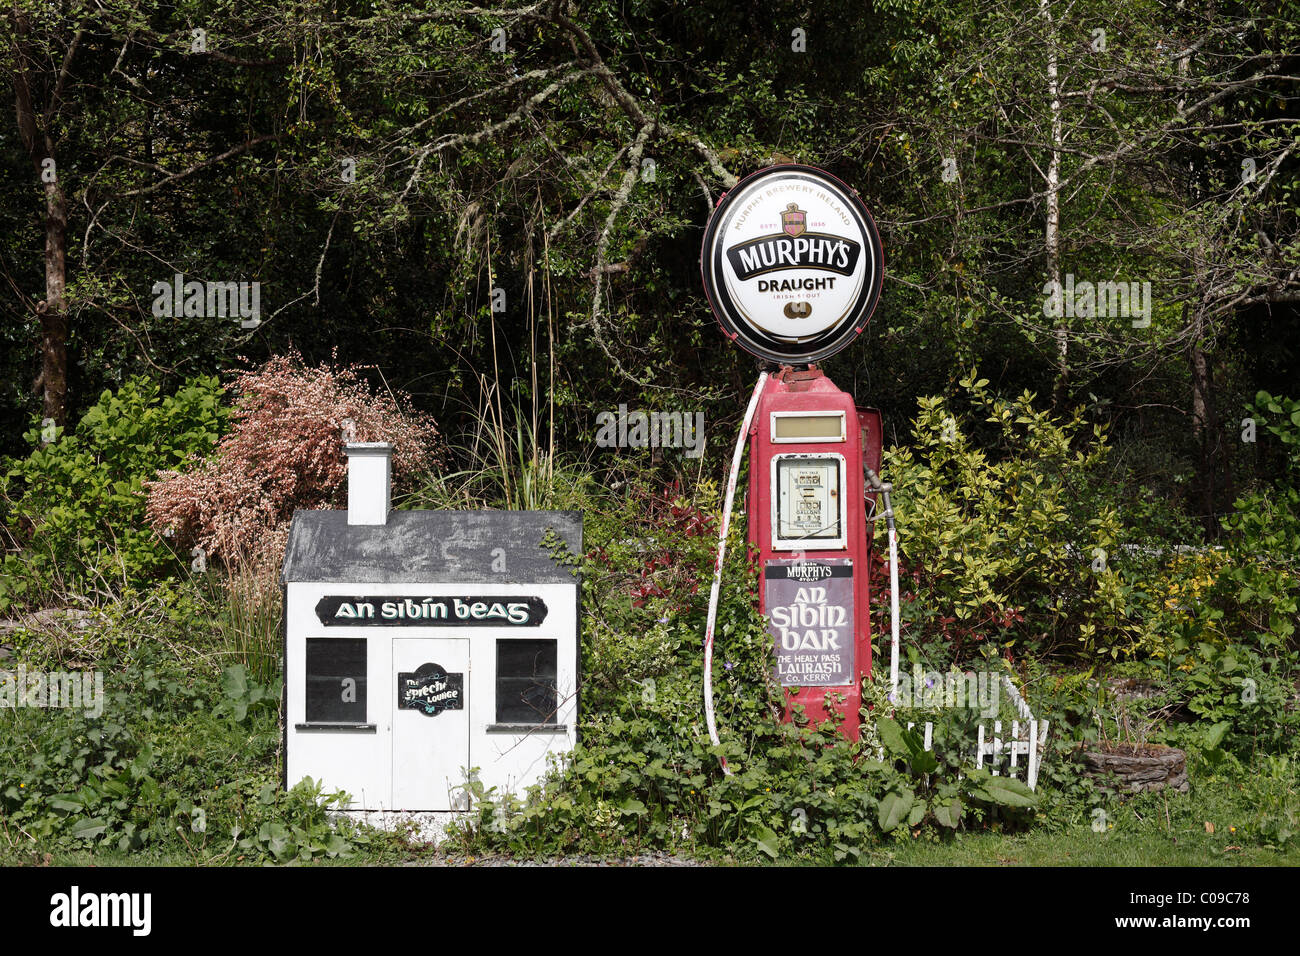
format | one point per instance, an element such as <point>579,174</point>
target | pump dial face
<point>792,263</point>
<point>809,506</point>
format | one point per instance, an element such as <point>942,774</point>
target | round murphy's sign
<point>792,264</point>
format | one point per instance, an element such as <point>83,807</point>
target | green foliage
<point>1281,416</point>
<point>248,614</point>
<point>75,507</point>
<point>1243,701</point>
<point>1005,537</point>
<point>1223,633</point>
<point>645,773</point>
<point>1262,583</point>
<point>177,761</point>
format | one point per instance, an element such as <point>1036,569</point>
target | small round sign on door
<point>430,690</point>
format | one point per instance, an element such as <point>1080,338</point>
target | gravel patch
<point>578,860</point>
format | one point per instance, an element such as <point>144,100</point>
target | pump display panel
<point>808,510</point>
<point>805,427</point>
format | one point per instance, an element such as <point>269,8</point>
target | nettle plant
<point>1012,543</point>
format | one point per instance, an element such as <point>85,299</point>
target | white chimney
<point>370,471</point>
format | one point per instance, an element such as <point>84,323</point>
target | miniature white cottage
<point>421,645</point>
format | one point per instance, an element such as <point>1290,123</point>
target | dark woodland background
<point>569,154</point>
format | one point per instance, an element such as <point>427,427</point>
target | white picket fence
<point>1029,746</point>
<point>1028,739</point>
<point>1032,745</point>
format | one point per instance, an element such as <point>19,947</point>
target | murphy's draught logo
<point>792,264</point>
<point>773,253</point>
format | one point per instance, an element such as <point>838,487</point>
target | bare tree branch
<point>206,164</point>
<point>606,234</point>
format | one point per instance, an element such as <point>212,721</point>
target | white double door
<point>430,752</point>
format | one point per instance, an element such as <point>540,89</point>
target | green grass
<point>1073,848</point>
<point>1079,848</point>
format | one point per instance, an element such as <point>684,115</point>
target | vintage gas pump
<point>792,264</point>
<point>808,522</point>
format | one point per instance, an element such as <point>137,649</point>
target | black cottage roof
<point>423,546</point>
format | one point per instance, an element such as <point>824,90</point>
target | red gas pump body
<point>808,525</point>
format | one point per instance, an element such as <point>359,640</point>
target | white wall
<point>362,763</point>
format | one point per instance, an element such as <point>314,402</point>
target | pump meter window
<point>809,505</point>
<point>788,427</point>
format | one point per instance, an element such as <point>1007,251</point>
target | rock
<point>1137,767</point>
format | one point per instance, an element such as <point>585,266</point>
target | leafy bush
<point>179,761</point>
<point>284,452</point>
<point>74,509</point>
<point>1229,658</point>
<point>1221,621</point>
<point>1014,544</point>
<point>1261,585</point>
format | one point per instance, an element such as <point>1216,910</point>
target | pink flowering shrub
<point>284,452</point>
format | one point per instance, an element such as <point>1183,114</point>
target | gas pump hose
<point>884,488</point>
<point>717,567</point>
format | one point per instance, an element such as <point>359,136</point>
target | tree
<point>39,83</point>
<point>1092,119</point>
<point>87,105</point>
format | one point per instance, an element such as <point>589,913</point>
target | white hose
<point>717,567</point>
<point>893,612</point>
<point>883,489</point>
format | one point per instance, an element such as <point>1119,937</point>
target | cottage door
<point>430,722</point>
